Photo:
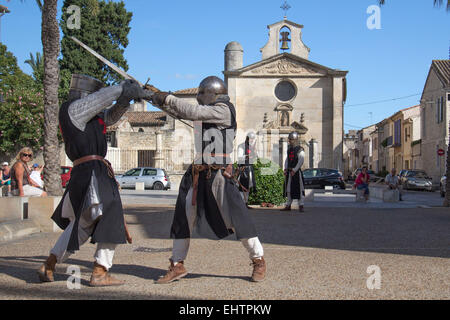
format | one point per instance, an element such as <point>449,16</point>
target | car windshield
<point>417,174</point>
<point>133,172</point>
<point>311,173</point>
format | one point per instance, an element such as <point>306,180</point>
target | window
<point>149,172</point>
<point>440,110</point>
<point>285,91</point>
<point>133,173</point>
<point>398,133</point>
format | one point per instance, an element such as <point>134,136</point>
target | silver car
<point>153,178</point>
<point>416,179</point>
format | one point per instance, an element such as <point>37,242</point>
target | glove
<point>131,90</point>
<point>158,98</point>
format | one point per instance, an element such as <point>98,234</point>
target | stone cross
<point>285,7</point>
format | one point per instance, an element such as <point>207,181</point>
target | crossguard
<point>151,88</point>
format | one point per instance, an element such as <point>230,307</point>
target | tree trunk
<point>447,174</point>
<point>51,48</point>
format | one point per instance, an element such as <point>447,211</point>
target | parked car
<point>153,178</point>
<point>318,178</point>
<point>65,175</point>
<point>372,175</point>
<point>415,180</point>
<point>442,185</point>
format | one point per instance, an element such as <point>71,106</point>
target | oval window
<point>285,91</point>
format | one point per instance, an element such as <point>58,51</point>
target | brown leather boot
<point>101,278</point>
<point>175,272</point>
<point>46,271</point>
<point>259,269</point>
<point>287,208</point>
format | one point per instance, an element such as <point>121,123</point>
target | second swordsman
<point>209,198</point>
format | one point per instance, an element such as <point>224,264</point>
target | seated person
<point>35,175</point>
<point>5,177</point>
<point>393,182</point>
<point>362,182</point>
<point>21,183</point>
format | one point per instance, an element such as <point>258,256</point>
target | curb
<point>16,229</point>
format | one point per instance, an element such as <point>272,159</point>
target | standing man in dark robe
<point>209,198</point>
<point>246,159</point>
<point>294,187</point>
<point>91,205</point>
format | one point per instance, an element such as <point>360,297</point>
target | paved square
<point>321,254</point>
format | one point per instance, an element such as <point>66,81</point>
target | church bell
<point>284,40</point>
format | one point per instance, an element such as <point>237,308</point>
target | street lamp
<point>3,10</point>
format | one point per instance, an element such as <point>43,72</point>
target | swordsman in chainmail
<point>247,157</point>
<point>91,206</point>
<point>294,187</point>
<point>209,198</point>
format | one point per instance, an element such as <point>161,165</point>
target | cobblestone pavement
<point>325,253</point>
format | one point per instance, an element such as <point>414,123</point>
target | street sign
<point>441,152</point>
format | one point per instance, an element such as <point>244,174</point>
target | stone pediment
<point>300,128</point>
<point>285,66</point>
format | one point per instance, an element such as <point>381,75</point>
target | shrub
<point>269,179</point>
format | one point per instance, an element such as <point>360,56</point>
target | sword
<point>123,74</point>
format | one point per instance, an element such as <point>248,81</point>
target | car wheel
<point>158,186</point>
<point>336,186</point>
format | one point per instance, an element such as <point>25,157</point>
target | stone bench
<point>360,196</point>
<point>13,208</point>
<point>383,193</point>
<point>391,195</point>
<point>40,209</point>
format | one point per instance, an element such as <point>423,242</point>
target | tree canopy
<point>104,29</point>
<point>21,121</point>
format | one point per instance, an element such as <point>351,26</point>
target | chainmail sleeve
<point>81,111</point>
<point>218,114</point>
<point>113,114</point>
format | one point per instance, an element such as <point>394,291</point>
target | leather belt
<point>86,159</point>
<point>99,158</point>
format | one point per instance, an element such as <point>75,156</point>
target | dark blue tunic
<point>92,141</point>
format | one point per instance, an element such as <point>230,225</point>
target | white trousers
<point>103,255</point>
<point>300,201</point>
<point>245,196</point>
<point>181,246</point>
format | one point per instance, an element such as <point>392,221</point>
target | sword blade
<point>104,60</point>
<point>119,71</point>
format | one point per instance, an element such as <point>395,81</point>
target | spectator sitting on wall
<point>362,182</point>
<point>35,175</point>
<point>6,177</point>
<point>21,183</point>
<point>393,182</point>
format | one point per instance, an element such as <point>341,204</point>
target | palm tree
<point>437,3</point>
<point>37,65</point>
<point>51,49</point>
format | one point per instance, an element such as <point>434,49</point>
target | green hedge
<point>269,179</point>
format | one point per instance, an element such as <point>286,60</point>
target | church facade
<point>286,92</point>
<point>283,92</point>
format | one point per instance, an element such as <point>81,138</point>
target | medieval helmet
<point>251,135</point>
<point>81,85</point>
<point>293,135</point>
<point>209,90</point>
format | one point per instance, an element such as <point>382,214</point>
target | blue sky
<point>177,43</point>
